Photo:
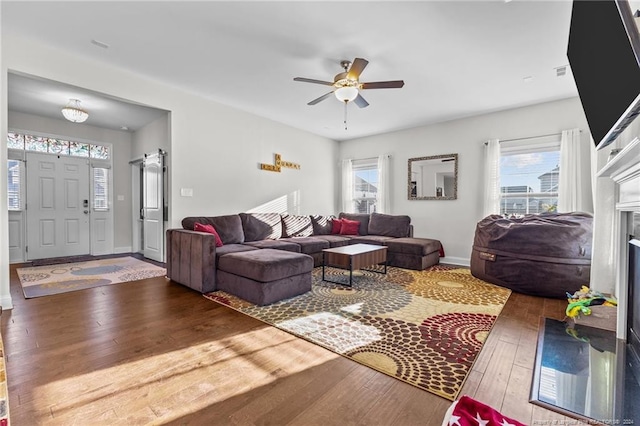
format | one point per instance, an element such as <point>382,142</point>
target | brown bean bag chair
<point>541,255</point>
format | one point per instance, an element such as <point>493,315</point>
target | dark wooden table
<point>356,256</point>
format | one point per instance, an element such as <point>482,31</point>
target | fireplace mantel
<point>624,170</point>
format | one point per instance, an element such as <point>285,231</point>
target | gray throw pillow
<point>389,225</point>
<point>321,224</point>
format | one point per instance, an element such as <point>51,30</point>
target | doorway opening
<point>126,127</point>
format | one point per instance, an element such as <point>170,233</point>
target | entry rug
<point>4,393</point>
<point>54,279</point>
<point>423,327</point>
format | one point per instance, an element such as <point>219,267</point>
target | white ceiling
<point>46,98</point>
<point>457,58</point>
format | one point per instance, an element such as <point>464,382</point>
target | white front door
<point>57,206</point>
<point>152,208</point>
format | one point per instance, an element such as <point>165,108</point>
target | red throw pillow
<point>336,224</point>
<point>349,227</point>
<point>210,229</point>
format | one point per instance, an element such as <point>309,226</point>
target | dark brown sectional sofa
<point>266,257</point>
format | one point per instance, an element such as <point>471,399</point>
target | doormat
<point>59,260</point>
<point>4,391</point>
<point>54,279</point>
<point>423,327</point>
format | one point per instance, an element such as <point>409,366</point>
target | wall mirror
<point>433,178</point>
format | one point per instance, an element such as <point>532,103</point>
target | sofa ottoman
<point>264,276</point>
<point>413,253</point>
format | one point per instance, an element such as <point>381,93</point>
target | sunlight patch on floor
<point>345,335</point>
<point>179,382</point>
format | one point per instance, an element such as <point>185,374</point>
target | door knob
<point>86,212</point>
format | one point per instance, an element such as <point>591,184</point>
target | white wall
<point>453,221</point>
<point>155,135</point>
<point>215,150</point>
<point>5,295</point>
<point>121,143</point>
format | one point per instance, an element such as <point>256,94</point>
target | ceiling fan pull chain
<point>345,115</point>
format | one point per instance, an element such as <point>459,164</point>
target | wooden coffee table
<point>356,256</point>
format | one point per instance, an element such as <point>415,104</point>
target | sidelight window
<point>14,185</point>
<point>100,188</point>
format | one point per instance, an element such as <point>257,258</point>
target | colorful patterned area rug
<point>423,327</point>
<point>54,279</point>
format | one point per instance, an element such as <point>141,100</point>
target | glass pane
<point>100,188</point>
<point>15,141</point>
<point>79,149</point>
<point>365,187</point>
<point>35,143</point>
<point>366,183</point>
<point>100,152</point>
<point>58,146</point>
<point>529,183</point>
<point>13,185</point>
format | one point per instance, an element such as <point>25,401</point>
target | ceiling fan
<point>347,86</point>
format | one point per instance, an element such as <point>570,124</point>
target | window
<point>529,177</point>
<point>365,185</point>
<point>57,146</point>
<point>14,185</point>
<point>100,188</point>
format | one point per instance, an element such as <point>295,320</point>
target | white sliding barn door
<point>153,207</point>
<point>57,206</point>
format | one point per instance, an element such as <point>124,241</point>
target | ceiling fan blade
<point>396,84</point>
<point>356,68</point>
<point>311,80</point>
<point>321,98</point>
<point>360,101</point>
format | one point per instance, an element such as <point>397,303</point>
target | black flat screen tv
<point>604,52</point>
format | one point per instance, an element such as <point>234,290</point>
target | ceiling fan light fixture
<point>73,112</point>
<point>346,94</point>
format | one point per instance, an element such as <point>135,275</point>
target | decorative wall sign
<point>278,164</point>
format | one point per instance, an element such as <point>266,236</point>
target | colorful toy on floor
<point>581,300</point>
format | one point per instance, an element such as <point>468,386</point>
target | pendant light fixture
<point>73,112</point>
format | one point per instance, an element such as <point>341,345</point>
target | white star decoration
<point>480,420</point>
<point>506,423</point>
<point>454,420</point>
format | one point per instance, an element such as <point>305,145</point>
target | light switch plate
<point>120,197</point>
<point>186,192</point>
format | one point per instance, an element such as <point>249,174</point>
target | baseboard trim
<point>461,261</point>
<point>6,302</point>
<point>120,250</point>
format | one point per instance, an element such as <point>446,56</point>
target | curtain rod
<point>373,158</point>
<point>362,159</point>
<point>529,137</point>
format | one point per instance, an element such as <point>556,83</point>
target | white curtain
<point>574,182</point>
<point>491,202</point>
<point>347,186</point>
<point>382,197</point>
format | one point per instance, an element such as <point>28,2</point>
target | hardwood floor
<point>155,352</point>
